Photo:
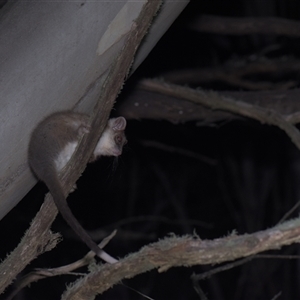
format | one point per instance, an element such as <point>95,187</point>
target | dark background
<point>249,184</point>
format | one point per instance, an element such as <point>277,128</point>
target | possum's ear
<point>118,124</point>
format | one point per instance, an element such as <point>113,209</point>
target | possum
<point>51,146</point>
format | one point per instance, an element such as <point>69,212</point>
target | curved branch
<point>183,251</point>
<point>144,104</point>
<point>214,101</point>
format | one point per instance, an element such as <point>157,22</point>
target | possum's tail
<point>59,198</point>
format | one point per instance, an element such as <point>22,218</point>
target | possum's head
<point>112,140</point>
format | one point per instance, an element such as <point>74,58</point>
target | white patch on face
<point>65,156</point>
<point>106,145</point>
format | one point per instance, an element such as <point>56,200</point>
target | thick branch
<point>37,236</point>
<point>184,251</point>
<point>240,26</point>
<point>214,101</point>
<point>154,105</point>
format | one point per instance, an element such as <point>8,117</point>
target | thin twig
<point>196,277</point>
<point>286,215</point>
<point>228,266</point>
<point>198,290</point>
<point>63,270</point>
<point>277,296</point>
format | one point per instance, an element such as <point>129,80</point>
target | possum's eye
<point>118,139</point>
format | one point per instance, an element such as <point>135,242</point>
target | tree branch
<point>234,73</point>
<point>37,238</point>
<point>63,270</point>
<point>142,103</point>
<point>241,26</point>
<point>214,101</point>
<point>184,251</point>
